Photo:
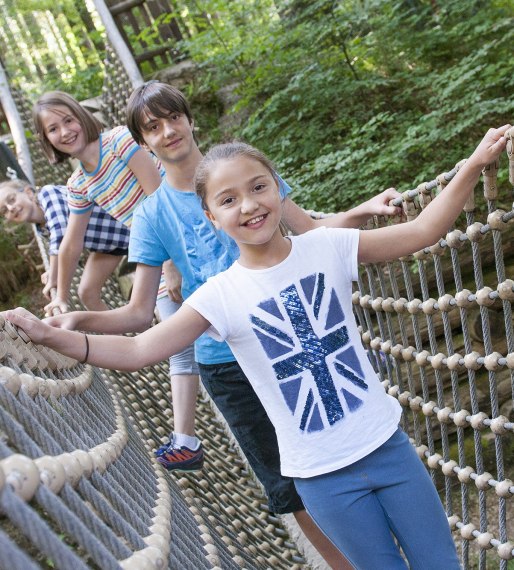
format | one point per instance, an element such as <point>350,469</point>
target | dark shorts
<point>117,251</point>
<point>232,393</point>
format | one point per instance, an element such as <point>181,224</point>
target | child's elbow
<point>139,317</point>
<point>142,324</point>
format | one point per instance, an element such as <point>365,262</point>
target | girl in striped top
<point>114,172</point>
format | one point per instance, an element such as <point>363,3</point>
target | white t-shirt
<point>292,329</point>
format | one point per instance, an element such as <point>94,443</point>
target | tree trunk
<point>93,39</point>
<point>15,125</point>
<point>119,46</point>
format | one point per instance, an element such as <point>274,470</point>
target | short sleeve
<point>145,246</point>
<point>55,209</point>
<point>123,145</point>
<point>78,201</point>
<point>206,300</point>
<point>346,243</point>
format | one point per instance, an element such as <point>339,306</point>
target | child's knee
<point>89,296</point>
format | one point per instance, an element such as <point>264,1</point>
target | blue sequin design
<point>313,355</point>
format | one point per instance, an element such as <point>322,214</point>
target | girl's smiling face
<point>63,130</point>
<point>243,200</point>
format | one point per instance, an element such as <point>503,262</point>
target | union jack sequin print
<point>319,375</point>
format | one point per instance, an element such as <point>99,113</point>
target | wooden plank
<point>152,53</point>
<point>126,6</point>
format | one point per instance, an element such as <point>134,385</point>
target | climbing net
<point>78,484</point>
<point>79,487</point>
<point>438,326</point>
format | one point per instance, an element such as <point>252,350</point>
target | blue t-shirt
<point>171,224</point>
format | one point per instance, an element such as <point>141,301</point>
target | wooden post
<point>15,126</point>
<point>118,44</point>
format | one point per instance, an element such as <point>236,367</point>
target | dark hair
<point>91,126</point>
<point>159,99</point>
<point>226,151</point>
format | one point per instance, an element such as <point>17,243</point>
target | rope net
<point>79,486</point>
<point>438,326</point>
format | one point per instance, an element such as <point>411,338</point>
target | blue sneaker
<point>163,448</point>
<point>180,458</point>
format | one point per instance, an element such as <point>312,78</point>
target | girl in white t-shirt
<point>285,309</point>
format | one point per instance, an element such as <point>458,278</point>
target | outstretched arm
<point>434,221</point>
<point>69,254</point>
<point>136,316</point>
<point>300,222</point>
<point>116,352</point>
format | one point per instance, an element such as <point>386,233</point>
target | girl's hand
<point>68,321</point>
<point>56,307</point>
<point>490,148</point>
<point>380,205</point>
<point>31,325</point>
<point>173,281</point>
<point>48,284</point>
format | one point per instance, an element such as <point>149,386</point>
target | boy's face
<point>20,206</point>
<point>170,138</point>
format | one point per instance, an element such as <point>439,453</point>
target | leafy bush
<point>16,273</point>
<point>352,97</point>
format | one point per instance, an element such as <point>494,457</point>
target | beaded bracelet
<point>87,350</point>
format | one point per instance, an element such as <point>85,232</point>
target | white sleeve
<point>346,243</point>
<point>208,301</point>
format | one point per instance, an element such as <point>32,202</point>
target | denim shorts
<point>235,398</point>
<point>183,362</point>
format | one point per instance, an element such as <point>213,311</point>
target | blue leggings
<point>388,491</point>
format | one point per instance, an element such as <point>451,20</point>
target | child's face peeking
<point>63,130</point>
<point>20,206</point>
<point>244,200</point>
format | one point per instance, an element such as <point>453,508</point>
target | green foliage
<point>347,96</point>
<point>48,47</point>
<point>352,97</point>
<point>15,271</point>
<point>421,101</point>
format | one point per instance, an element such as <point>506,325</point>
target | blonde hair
<point>226,151</point>
<point>16,184</point>
<point>91,126</point>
